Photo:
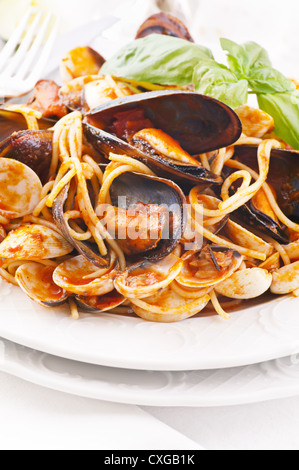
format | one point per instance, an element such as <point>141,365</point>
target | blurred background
<point>272,23</point>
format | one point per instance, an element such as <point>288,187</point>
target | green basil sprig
<point>167,60</point>
<point>157,59</point>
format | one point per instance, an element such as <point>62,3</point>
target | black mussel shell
<point>87,249</point>
<point>199,123</point>
<point>283,177</point>
<point>106,143</point>
<point>130,189</point>
<point>163,23</point>
<point>33,148</point>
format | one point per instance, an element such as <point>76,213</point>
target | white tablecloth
<point>35,418</point>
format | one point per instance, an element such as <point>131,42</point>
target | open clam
<point>208,267</point>
<point>285,279</point>
<point>197,124</point>
<point>100,303</point>
<point>79,276</point>
<point>246,284</point>
<point>283,179</point>
<point>145,279</point>
<point>168,307</point>
<point>20,189</point>
<point>34,242</point>
<point>36,280</point>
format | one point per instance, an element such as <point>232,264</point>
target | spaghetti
<point>177,287</point>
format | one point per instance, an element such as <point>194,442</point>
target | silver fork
<point>25,55</point>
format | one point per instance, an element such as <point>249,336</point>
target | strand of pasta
<point>217,306</point>
<point>74,309</point>
<point>223,242</point>
<point>279,248</point>
<point>8,277</point>
<point>78,234</point>
<point>29,114</point>
<point>138,166</point>
<point>246,191</point>
<point>90,217</point>
<point>40,221</point>
<point>97,170</point>
<point>218,162</point>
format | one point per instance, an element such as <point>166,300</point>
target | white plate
<point>256,334</point>
<point>251,384</point>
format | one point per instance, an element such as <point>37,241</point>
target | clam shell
<point>145,279</point>
<point>246,284</point>
<point>204,273</point>
<point>286,279</point>
<point>71,276</point>
<point>34,242</point>
<point>20,189</point>
<point>168,307</point>
<point>36,280</point>
<point>98,304</point>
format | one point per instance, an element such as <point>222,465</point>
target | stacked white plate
<point>203,361</point>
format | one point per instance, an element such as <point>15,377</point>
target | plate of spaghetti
<point>139,198</point>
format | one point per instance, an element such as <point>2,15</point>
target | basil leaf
<point>241,59</point>
<point>157,59</point>
<point>217,81</point>
<point>284,108</point>
<point>269,80</point>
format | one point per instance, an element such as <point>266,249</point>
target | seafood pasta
<point>136,198</point>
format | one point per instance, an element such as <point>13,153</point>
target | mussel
<point>197,123</point>
<point>131,189</point>
<point>33,148</point>
<point>283,178</point>
<point>147,218</point>
<point>163,23</point>
<point>36,280</point>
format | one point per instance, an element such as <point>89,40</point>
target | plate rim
<point>30,365</point>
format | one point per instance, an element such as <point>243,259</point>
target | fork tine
<point>34,49</point>
<point>39,67</point>
<point>23,48</point>
<point>14,40</point>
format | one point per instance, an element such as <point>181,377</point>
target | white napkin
<point>34,418</point>
<point>263,426</point>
